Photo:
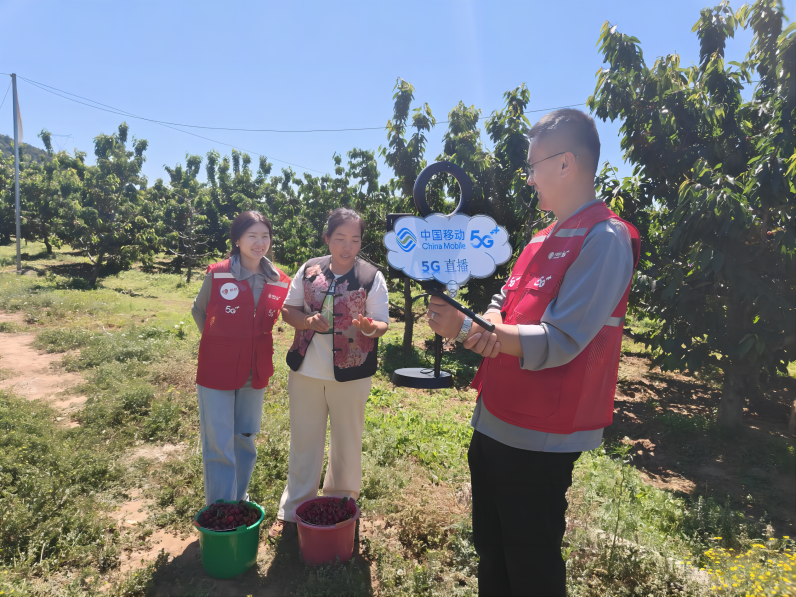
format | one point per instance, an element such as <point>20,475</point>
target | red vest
<point>237,340</point>
<point>579,395</point>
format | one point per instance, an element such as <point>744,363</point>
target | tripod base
<point>421,378</point>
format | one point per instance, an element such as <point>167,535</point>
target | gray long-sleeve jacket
<point>592,287</point>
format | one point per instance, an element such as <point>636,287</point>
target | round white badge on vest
<point>229,291</point>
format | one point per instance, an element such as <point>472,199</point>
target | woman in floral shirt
<point>339,307</point>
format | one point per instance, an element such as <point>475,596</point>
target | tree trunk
<point>190,235</point>
<point>46,239</point>
<point>409,318</point>
<point>740,381</point>
<point>190,261</point>
<point>95,271</point>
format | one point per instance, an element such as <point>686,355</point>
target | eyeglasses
<point>529,167</point>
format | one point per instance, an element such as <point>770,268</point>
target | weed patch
<point>144,345</point>
<point>139,583</point>
<point>336,579</point>
<point>48,477</point>
<point>9,327</point>
<point>436,442</point>
<point>767,568</point>
<point>681,426</point>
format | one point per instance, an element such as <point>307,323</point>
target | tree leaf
<point>717,261</point>
<point>705,256</point>
<point>746,344</point>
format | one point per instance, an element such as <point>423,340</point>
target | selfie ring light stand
<point>423,377</point>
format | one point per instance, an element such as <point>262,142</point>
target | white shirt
<point>319,360</point>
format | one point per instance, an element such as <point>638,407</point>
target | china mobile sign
<point>449,249</point>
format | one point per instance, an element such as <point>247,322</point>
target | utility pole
<point>16,169</point>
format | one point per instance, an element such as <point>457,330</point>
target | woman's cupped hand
<point>317,322</point>
<point>365,325</point>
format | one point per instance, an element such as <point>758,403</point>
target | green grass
<point>138,361</point>
<point>49,480</point>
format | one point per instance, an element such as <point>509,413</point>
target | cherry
<point>225,517</point>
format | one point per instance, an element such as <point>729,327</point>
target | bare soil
<point>35,375</point>
<point>707,463</point>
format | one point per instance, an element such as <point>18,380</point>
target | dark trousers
<point>519,505</point>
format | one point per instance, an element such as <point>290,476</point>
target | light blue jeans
<point>228,421</point>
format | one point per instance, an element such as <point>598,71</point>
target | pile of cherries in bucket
<point>327,514</point>
<point>229,516</point>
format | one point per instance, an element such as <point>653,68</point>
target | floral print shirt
<point>323,352</point>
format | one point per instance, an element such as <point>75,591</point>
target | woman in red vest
<point>339,307</point>
<point>235,310</point>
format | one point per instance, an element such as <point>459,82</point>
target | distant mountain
<point>27,152</point>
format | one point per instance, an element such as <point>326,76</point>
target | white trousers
<point>311,402</point>
<point>228,456</point>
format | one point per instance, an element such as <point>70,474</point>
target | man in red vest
<point>547,381</point>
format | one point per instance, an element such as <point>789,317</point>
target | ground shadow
<point>461,363</point>
<point>392,357</point>
<point>75,270</point>
<point>279,572</point>
<point>24,256</point>
<point>288,571</point>
<point>670,420</point>
<point>183,576</point>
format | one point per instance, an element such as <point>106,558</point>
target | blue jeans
<point>228,421</point>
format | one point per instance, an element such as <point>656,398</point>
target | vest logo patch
<point>554,255</point>
<point>229,291</point>
<point>512,282</point>
<point>541,281</point>
<point>232,309</point>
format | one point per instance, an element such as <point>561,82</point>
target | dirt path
<point>131,517</point>
<point>34,374</point>
<point>31,373</point>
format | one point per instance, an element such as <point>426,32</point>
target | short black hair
<point>578,130</point>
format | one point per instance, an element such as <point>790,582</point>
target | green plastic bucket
<point>229,553</point>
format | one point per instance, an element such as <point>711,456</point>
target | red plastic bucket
<point>324,544</point>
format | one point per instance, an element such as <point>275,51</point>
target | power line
<point>130,115</point>
<point>5,96</point>
<point>121,112</point>
<point>172,125</point>
<point>112,110</point>
<point>224,128</point>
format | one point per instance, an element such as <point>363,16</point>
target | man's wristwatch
<point>466,325</point>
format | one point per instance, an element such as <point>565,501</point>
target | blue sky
<point>300,65</point>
